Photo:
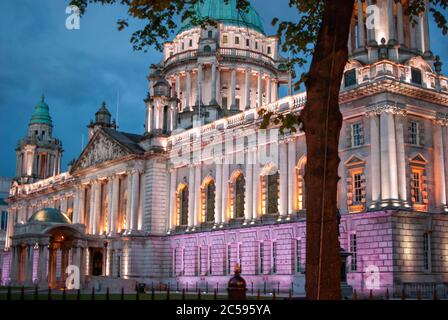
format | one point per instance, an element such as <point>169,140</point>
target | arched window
<point>207,49</point>
<point>208,200</point>
<point>182,205</point>
<point>238,188</point>
<point>301,190</point>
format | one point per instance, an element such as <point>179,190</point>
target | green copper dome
<point>41,113</point>
<point>49,215</point>
<point>227,14</point>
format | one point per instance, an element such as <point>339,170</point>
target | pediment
<point>419,159</point>
<point>100,149</point>
<point>354,160</point>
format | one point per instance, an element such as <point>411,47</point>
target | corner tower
<point>39,153</point>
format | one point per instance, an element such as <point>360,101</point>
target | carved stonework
<point>100,150</point>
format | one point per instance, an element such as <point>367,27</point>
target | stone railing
<point>43,184</point>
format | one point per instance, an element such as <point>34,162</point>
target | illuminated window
<point>353,251</point>
<point>225,39</point>
<point>272,193</point>
<point>208,202</point>
<point>357,188</point>
<point>301,190</point>
<point>239,187</point>
<point>414,133</point>
<point>356,184</point>
<point>419,195</point>
<point>357,134</point>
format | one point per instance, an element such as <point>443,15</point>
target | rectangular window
<point>229,259</point>
<point>199,262</point>
<point>357,188</point>
<point>247,42</point>
<point>225,39</point>
<point>269,50</point>
<point>353,251</point>
<point>4,220</point>
<point>237,40</point>
<point>414,133</point>
<point>183,261</point>
<point>224,102</point>
<point>416,76</point>
<point>426,252</point>
<point>174,262</point>
<point>210,34</point>
<point>350,78</point>
<point>274,256</point>
<point>183,46</point>
<point>416,186</point>
<point>298,255</point>
<point>191,43</point>
<point>357,134</point>
<point>240,256</point>
<point>261,268</point>
<point>237,103</point>
<point>210,260</point>
<point>256,45</point>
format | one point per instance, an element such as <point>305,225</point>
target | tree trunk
<point>322,122</point>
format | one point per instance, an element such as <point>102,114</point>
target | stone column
<point>260,88</point>
<point>135,199</point>
<point>128,202</point>
<point>199,86</point>
<point>75,217</point>
<point>14,273</point>
<point>177,85</point>
<point>197,193</point>
<point>112,214</point>
<point>213,86</point>
<point>268,89</point>
<point>188,94</point>
<point>361,32</point>
<point>248,204</point>
<point>375,165</point>
<point>247,88</point>
<point>292,176</point>
<point>256,185</point>
<point>283,174</point>
<point>191,195</point>
<point>225,189</point>
<point>29,264</point>
<point>389,179</point>
<point>275,92</point>
<point>391,18</point>
<point>97,205</point>
<point>42,265</point>
<point>233,89</point>
<point>400,27</point>
<point>401,158</point>
<point>82,205</point>
<point>439,168</point>
<point>371,41</point>
<point>92,207</point>
<point>172,203</point>
<point>218,193</point>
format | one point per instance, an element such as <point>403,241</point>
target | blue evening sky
<point>78,69</point>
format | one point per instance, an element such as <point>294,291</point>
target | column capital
<point>441,119</point>
<point>394,108</point>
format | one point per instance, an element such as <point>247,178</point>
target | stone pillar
<point>256,185</point>
<point>128,202</point>
<point>213,86</point>
<point>97,205</point>
<point>361,32</point>
<point>199,86</point>
<point>283,174</point>
<point>260,88</point>
<point>439,169</point>
<point>225,189</point>
<point>400,26</point>
<point>401,159</point>
<point>191,195</point>
<point>292,176</point>
<point>391,18</point>
<point>389,179</point>
<point>172,203</point>
<point>92,206</point>
<point>197,193</point>
<point>247,88</point>
<point>64,263</point>
<point>275,92</point>
<point>14,272</point>
<point>218,193</point>
<point>177,85</point>
<point>42,264</point>
<point>371,32</point>
<point>218,85</point>
<point>375,165</point>
<point>29,264</point>
<point>233,89</point>
<point>188,94</point>
<point>135,199</point>
<point>248,204</point>
<point>268,89</point>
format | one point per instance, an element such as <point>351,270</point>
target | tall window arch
<point>182,205</point>
<point>208,200</point>
<point>237,189</point>
<point>270,185</point>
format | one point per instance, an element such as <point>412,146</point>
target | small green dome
<point>227,14</point>
<point>49,215</point>
<point>41,113</point>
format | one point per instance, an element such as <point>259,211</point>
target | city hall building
<point>204,188</point>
